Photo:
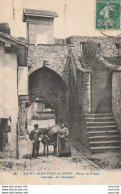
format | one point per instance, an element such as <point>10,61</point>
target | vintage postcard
<point>60,92</point>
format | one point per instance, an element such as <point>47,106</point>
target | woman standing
<point>64,149</point>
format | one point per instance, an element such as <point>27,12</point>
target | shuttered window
<point>41,39</point>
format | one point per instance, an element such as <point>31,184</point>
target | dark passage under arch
<point>48,85</point>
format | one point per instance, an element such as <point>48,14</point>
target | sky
<point>80,16</point>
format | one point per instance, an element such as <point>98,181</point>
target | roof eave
<point>11,41</point>
<point>36,15</point>
<point>40,15</point>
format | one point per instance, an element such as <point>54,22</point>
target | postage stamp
<point>108,14</point>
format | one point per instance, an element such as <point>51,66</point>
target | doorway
<point>102,92</point>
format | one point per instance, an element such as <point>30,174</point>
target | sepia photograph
<point>60,92</point>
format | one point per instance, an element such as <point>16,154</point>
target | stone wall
<point>55,58</point>
<point>59,59</point>
<point>77,120</point>
<point>52,56</point>
<point>22,116</point>
<point>73,101</point>
<point>116,97</point>
<point>107,44</point>
<point>56,81</point>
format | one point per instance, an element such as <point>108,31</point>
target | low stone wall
<point>86,92</point>
<point>82,107</point>
<point>116,97</point>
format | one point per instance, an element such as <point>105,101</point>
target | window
<point>41,39</point>
<point>7,49</point>
<point>82,46</point>
<point>117,45</point>
<point>99,45</point>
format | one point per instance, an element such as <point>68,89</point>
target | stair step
<point>95,133</point>
<point>103,132</point>
<point>110,123</point>
<point>105,143</point>
<point>105,148</point>
<point>96,128</point>
<point>105,119</point>
<point>96,142</point>
<point>104,138</point>
<point>99,115</point>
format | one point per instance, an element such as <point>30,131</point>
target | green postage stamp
<point>108,14</point>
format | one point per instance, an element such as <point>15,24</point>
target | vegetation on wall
<point>92,49</point>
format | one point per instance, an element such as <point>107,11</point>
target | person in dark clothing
<point>35,136</point>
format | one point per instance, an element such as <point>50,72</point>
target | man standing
<point>35,136</point>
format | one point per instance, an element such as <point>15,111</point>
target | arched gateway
<point>46,84</point>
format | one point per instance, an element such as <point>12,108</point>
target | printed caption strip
<point>108,14</point>
<point>30,189</point>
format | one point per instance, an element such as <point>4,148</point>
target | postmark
<point>108,14</point>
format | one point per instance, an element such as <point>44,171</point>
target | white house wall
<point>8,89</point>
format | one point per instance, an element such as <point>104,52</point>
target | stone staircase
<point>103,132</point>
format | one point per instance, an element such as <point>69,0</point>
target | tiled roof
<point>4,37</point>
<point>44,13</point>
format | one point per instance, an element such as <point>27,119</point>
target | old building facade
<point>79,78</point>
<point>10,89</point>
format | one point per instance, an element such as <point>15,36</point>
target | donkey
<point>50,138</point>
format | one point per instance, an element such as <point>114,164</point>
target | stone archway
<point>48,85</point>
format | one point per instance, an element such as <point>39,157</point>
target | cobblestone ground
<point>108,160</point>
<point>51,163</point>
<point>80,160</point>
